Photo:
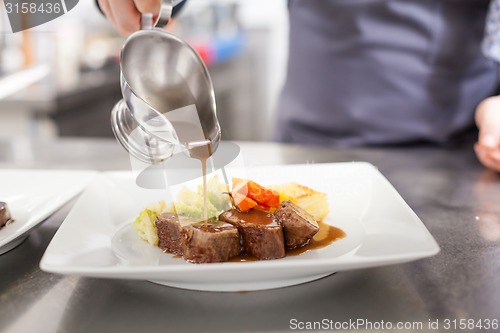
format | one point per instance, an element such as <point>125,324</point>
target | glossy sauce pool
<point>326,235</point>
<point>255,216</point>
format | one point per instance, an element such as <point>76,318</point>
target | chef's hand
<point>488,121</point>
<point>125,15</point>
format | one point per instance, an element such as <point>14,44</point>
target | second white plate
<point>32,195</point>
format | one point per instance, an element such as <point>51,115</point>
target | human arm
<point>488,121</point>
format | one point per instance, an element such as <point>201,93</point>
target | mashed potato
<point>313,202</point>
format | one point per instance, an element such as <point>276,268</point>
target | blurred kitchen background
<point>61,79</point>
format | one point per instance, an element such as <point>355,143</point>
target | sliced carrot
<point>243,203</point>
<point>246,204</point>
<point>273,199</point>
<point>240,186</point>
<point>258,193</point>
<point>262,207</point>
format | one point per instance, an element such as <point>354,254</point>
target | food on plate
<point>312,201</point>
<point>145,222</point>
<point>5,217</point>
<point>169,232</point>
<point>298,225</point>
<point>199,242</point>
<point>248,194</point>
<point>190,203</point>
<point>211,241</point>
<point>251,221</point>
<point>261,232</point>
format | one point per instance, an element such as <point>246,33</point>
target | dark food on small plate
<point>5,217</point>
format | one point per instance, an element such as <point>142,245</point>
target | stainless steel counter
<point>454,196</point>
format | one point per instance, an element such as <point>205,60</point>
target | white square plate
<point>32,195</point>
<point>97,238</point>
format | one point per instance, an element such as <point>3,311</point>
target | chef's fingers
<point>495,154</point>
<point>148,6</point>
<point>104,5</point>
<point>488,122</point>
<point>489,158</point>
<point>126,17</point>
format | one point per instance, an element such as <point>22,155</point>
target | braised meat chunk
<point>298,225</point>
<point>197,242</point>
<point>261,233</point>
<point>211,241</point>
<point>169,233</point>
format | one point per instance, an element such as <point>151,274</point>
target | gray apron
<point>375,72</point>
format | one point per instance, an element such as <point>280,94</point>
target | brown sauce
<point>212,226</point>
<point>204,170</point>
<point>255,216</point>
<point>199,147</point>
<point>243,258</point>
<point>326,235</point>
